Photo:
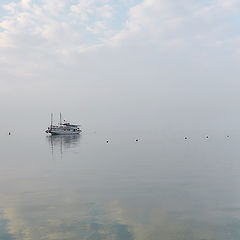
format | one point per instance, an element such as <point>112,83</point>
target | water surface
<point>81,187</point>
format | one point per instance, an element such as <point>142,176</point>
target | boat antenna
<point>60,118</point>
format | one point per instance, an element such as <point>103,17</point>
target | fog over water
<point>123,94</point>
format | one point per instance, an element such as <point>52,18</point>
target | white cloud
<point>5,42</point>
<point>106,11</point>
<point>54,7</point>
<point>26,4</point>
<point>74,26</point>
<point>178,23</point>
<point>97,28</point>
<point>229,4</point>
<point>84,8</point>
<point>92,8</point>
<point>11,7</point>
<point>160,22</point>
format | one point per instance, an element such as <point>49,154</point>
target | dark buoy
<point>185,138</point>
<point>227,136</point>
<point>9,133</point>
<point>206,136</point>
<point>136,140</point>
<point>107,141</point>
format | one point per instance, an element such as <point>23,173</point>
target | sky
<point>122,64</point>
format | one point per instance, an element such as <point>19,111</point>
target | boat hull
<point>64,133</point>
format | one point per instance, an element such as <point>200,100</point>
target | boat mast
<point>51,120</point>
<point>60,118</point>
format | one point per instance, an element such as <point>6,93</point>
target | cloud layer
<point>147,55</point>
<point>77,25</point>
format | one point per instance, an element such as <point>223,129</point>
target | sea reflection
<point>62,143</point>
<point>65,141</point>
<point>67,217</point>
<point>61,216</point>
<point>120,190</point>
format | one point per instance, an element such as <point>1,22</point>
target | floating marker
<point>9,133</point>
<point>107,141</point>
<point>136,140</point>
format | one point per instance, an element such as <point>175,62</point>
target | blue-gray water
<point>160,187</point>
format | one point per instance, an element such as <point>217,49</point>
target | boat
<point>64,128</point>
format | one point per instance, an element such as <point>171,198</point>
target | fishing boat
<point>64,128</point>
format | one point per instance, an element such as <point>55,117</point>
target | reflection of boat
<point>63,128</point>
<point>63,142</point>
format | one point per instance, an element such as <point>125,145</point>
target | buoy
<point>228,136</point>
<point>185,137</point>
<point>136,140</point>
<point>9,133</point>
<point>107,141</point>
<point>206,136</point>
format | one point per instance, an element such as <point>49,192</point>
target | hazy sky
<point>168,64</point>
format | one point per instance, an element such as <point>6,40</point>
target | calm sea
<point>83,188</point>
